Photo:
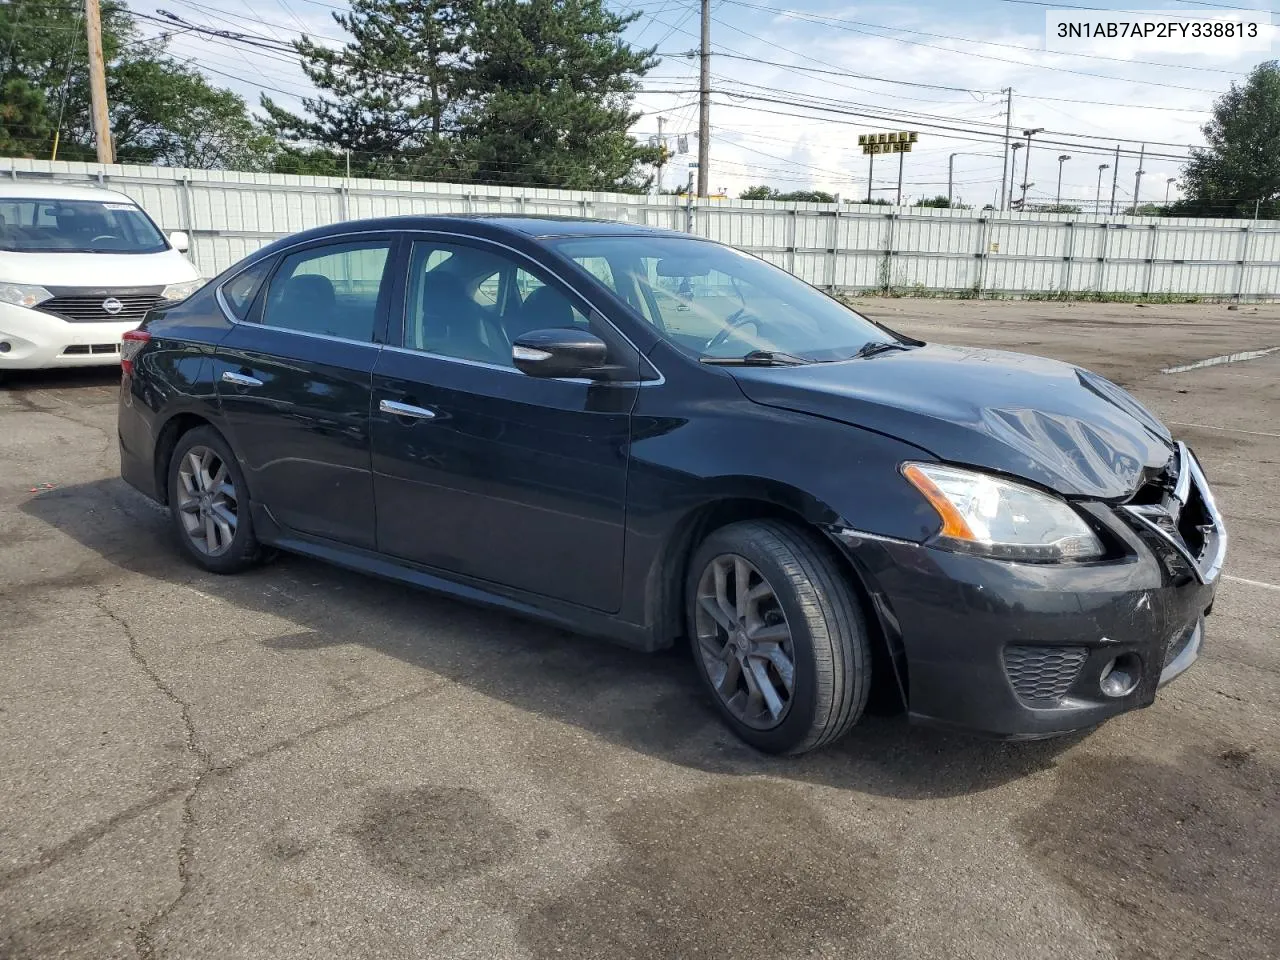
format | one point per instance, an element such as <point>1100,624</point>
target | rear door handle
<point>406,410</point>
<point>240,379</point>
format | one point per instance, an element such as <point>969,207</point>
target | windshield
<point>76,226</point>
<point>716,303</point>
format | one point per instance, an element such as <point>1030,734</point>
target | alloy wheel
<point>207,501</point>
<point>744,641</point>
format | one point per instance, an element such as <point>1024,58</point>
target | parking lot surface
<point>305,762</point>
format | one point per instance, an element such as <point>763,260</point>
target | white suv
<point>79,266</point>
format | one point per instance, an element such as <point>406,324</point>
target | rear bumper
<point>1019,651</point>
<point>39,340</point>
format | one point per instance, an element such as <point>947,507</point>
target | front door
<point>480,470</point>
<point>294,383</point>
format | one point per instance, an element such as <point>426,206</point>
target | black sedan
<point>646,436</point>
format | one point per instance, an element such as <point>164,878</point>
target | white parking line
<point>1252,583</point>
<point>1205,426</point>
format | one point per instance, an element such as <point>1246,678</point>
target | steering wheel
<point>732,324</point>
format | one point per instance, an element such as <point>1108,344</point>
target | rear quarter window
<point>239,291</point>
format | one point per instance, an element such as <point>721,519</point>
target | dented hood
<point>1049,422</point>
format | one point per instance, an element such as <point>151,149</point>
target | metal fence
<point>844,247</point>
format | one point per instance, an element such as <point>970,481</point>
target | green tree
<point>794,196</point>
<point>552,85</point>
<point>535,92</point>
<point>941,201</point>
<point>394,89</point>
<point>1241,165</point>
<point>161,111</point>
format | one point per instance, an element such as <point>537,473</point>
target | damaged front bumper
<point>1024,650</point>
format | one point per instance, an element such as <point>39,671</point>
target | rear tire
<point>209,504</point>
<point>778,636</point>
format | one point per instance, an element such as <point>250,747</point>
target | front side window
<point>714,302</point>
<point>330,290</point>
<point>472,303</point>
<point>77,226</point>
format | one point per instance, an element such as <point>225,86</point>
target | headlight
<point>23,294</point>
<point>986,515</point>
<point>180,291</point>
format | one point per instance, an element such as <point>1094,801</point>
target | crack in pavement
<point>144,941</point>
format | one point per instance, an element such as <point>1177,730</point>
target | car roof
<point>533,227</point>
<point>57,190</point>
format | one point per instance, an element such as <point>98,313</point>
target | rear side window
<point>239,291</point>
<point>331,290</point>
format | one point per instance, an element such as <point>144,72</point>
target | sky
<point>935,67</point>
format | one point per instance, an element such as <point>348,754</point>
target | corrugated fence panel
<point>850,246</point>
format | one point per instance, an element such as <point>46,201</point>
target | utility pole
<point>1008,123</point>
<point>1057,197</point>
<point>704,104</point>
<point>1026,164</point>
<point>662,153</point>
<point>951,175</point>
<point>1097,196</point>
<point>1115,178</point>
<point>1137,178</point>
<point>98,82</point>
<point>902,155</point>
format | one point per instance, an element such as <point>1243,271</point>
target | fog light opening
<point>1120,676</point>
<point>5,346</point>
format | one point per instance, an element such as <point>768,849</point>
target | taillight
<point>134,341</point>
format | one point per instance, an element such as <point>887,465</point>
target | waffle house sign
<point>898,142</point>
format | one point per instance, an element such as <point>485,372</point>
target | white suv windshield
<point>76,226</point>
<point>717,303</point>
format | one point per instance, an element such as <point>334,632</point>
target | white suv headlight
<point>23,294</point>
<point>180,291</point>
<point>998,518</point>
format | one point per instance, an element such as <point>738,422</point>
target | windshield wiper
<point>877,346</point>
<point>759,358</point>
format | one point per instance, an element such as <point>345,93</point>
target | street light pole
<point>1167,184</point>
<point>951,173</point>
<point>1097,197</point>
<point>1013,171</point>
<point>1062,158</point>
<point>1026,163</point>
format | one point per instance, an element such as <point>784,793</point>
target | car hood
<point>1048,422</point>
<point>96,270</point>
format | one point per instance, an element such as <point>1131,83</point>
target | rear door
<point>294,380</point>
<point>480,470</point>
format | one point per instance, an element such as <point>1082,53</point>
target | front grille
<point>83,349</point>
<point>1043,675</point>
<point>89,309</point>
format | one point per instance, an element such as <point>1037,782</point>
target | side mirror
<point>559,353</point>
<point>180,241</point>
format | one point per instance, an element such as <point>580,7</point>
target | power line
<point>851,26</point>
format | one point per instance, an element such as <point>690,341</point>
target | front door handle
<point>240,379</point>
<point>406,410</point>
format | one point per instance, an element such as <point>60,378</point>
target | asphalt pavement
<point>304,762</point>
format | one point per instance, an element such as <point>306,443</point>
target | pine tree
<point>553,84</point>
<point>391,94</point>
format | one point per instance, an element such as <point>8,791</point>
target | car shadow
<point>651,703</point>
<point>68,377</point>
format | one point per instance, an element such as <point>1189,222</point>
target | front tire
<point>209,504</point>
<point>778,636</point>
